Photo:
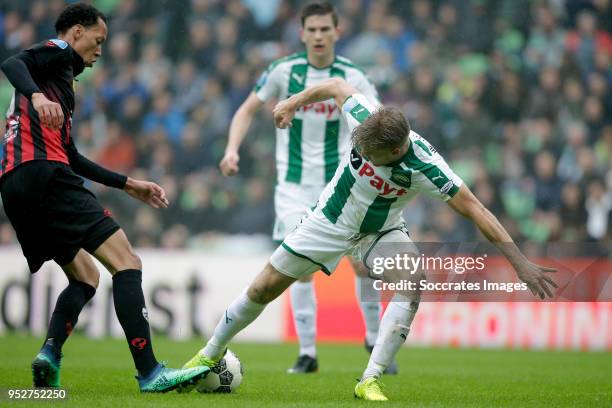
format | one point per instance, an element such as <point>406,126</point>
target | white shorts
<point>317,244</point>
<point>291,202</point>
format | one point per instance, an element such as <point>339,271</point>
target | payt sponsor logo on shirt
<point>365,169</point>
<point>329,109</point>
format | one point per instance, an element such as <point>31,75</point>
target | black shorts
<point>54,216</point>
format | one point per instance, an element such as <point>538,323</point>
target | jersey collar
<point>78,65</point>
<point>322,68</point>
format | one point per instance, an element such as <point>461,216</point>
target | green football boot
<point>46,367</point>
<point>200,360</point>
<point>164,379</point>
<point>370,389</point>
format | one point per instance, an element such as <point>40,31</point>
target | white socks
<point>238,315</point>
<point>394,329</point>
<point>304,306</point>
<point>369,302</point>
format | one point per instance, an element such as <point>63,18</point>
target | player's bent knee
<point>134,261</point>
<point>129,259</point>
<point>262,293</point>
<point>420,275</point>
<point>268,285</point>
<point>411,276</point>
<point>259,295</point>
<point>410,280</point>
<point>82,269</point>
<point>116,254</point>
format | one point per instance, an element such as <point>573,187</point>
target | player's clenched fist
<point>229,163</point>
<point>50,113</point>
<point>283,113</point>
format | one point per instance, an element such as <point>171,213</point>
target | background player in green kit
<point>359,209</point>
<point>307,156</point>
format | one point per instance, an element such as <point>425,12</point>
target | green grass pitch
<point>100,373</point>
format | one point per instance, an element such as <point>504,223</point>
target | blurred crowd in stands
<point>516,94</point>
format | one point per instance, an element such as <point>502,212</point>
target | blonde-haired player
<point>307,156</point>
<point>358,212</point>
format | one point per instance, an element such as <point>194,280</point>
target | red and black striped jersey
<point>52,65</point>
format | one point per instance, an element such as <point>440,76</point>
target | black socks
<point>130,309</point>
<point>132,314</point>
<point>66,313</point>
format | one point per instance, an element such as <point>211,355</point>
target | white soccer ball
<point>224,377</point>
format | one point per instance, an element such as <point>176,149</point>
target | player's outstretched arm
<point>238,129</point>
<point>466,204</point>
<point>147,192</point>
<point>336,88</point>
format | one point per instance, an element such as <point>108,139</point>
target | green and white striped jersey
<point>309,152</point>
<point>365,198</point>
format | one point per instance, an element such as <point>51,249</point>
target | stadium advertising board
<point>188,291</point>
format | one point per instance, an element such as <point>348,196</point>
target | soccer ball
<point>224,377</point>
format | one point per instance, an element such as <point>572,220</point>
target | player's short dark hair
<point>387,128</point>
<point>78,13</point>
<point>319,9</point>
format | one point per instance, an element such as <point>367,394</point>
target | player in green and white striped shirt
<point>307,156</point>
<point>359,210</point>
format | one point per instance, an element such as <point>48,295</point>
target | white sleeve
<point>356,109</point>
<point>434,176</point>
<point>360,81</point>
<point>268,84</point>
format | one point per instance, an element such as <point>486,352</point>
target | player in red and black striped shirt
<point>55,216</point>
